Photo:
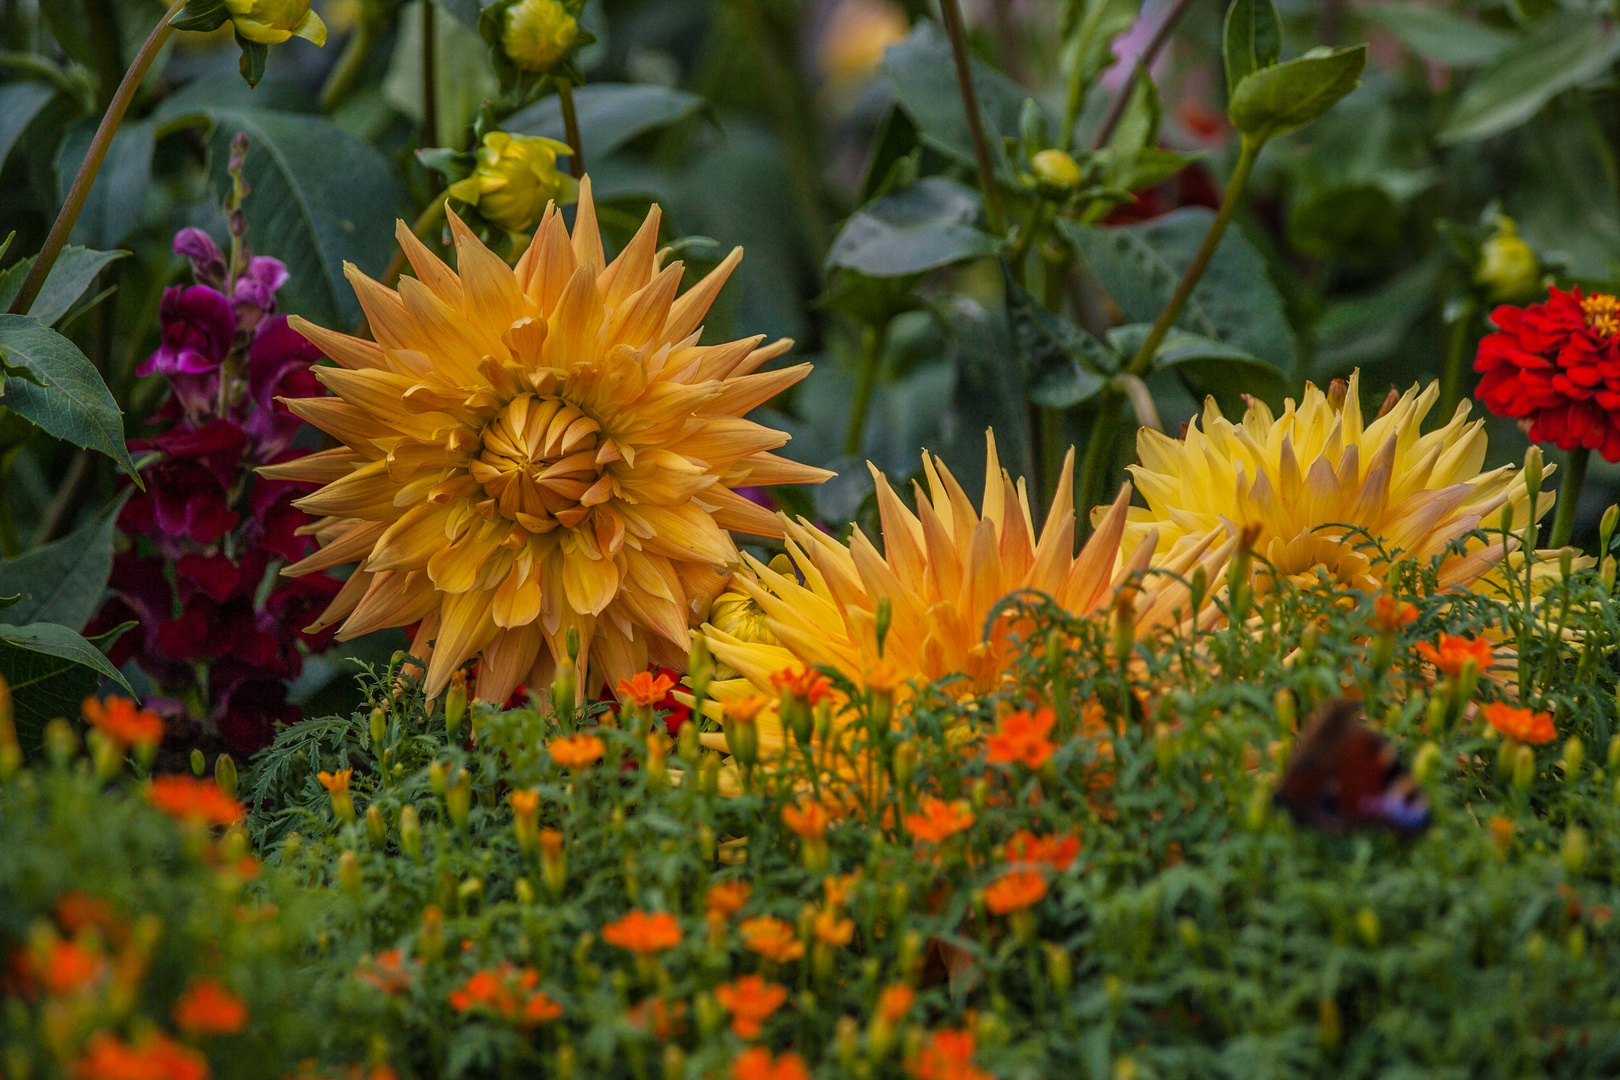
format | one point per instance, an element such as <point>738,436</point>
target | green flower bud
<point>1426,764</point>
<point>376,827</point>
<point>674,1061</point>
<point>1577,942</point>
<point>1524,767</point>
<point>348,873</point>
<point>1283,702</point>
<point>1367,926</point>
<point>225,774</point>
<point>270,22</point>
<point>199,764</point>
<point>1574,758</point>
<point>458,798</point>
<point>881,620</point>
<point>1611,517</point>
<point>438,778</point>
<point>846,1042</point>
<point>379,727</point>
<point>1330,1024</point>
<point>410,832</point>
<point>565,687</point>
<point>1056,169</point>
<point>1508,268</point>
<point>1574,850</point>
<point>515,178</point>
<point>1059,967</point>
<point>539,34</point>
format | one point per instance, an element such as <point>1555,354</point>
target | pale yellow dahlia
<point>942,569</point>
<point>1319,480</point>
<point>530,450</point>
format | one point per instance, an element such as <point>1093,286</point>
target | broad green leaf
<point>1437,34</point>
<point>466,12</point>
<point>69,400</point>
<point>117,199</point>
<point>1235,301</point>
<point>72,273</point>
<point>913,230</point>
<point>1285,97</point>
<point>320,198</point>
<point>50,670</point>
<point>1207,367</point>
<point>62,582</point>
<point>20,102</point>
<point>1253,39</point>
<point>610,114</point>
<point>894,158</point>
<point>924,79</point>
<point>1063,365</point>
<point>1564,51</point>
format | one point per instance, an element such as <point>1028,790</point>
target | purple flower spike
<point>278,366</point>
<point>198,325</point>
<point>255,295</point>
<point>207,261</point>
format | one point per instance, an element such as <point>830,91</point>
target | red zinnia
<point>1555,367</point>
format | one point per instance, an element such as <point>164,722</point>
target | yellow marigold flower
<point>532,450</point>
<point>538,34</point>
<point>335,782</point>
<point>942,569</point>
<point>831,930</point>
<point>270,22</point>
<point>516,180</point>
<point>576,751</point>
<point>1308,478</point>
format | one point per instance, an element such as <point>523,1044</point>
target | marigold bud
<point>458,798</point>
<point>1574,758</point>
<point>455,704</point>
<point>1330,1024</point>
<point>1574,850</point>
<point>709,775</point>
<point>565,687</point>
<point>846,1042</point>
<point>1367,926</point>
<point>1524,767</point>
<point>539,34</point>
<point>1283,702</point>
<point>199,764</point>
<point>270,22</point>
<point>905,765</point>
<point>1577,942</point>
<point>376,826</point>
<point>657,763</point>
<point>706,842</point>
<point>1532,477</point>
<point>225,774</point>
<point>348,872</point>
<point>1614,753</point>
<point>674,1061</point>
<point>439,778</point>
<point>1059,967</point>
<point>379,727</point>
<point>899,902</point>
<point>410,833</point>
<point>1508,267</point>
<point>1426,763</point>
<point>515,178</point>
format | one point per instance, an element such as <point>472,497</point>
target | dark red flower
<point>279,366</point>
<point>198,327</point>
<point>1555,367</point>
<point>297,602</point>
<point>251,710</point>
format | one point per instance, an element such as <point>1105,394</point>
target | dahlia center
<point>1602,313</point>
<point>543,464</point>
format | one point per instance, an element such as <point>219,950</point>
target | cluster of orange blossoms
<point>643,934</point>
<point>1022,737</point>
<point>937,820</point>
<point>1521,725</point>
<point>948,1055</point>
<point>750,1001</point>
<point>154,1056</point>
<point>194,801</point>
<point>756,1063</point>
<point>576,751</point>
<point>1455,652</point>
<point>507,992</point>
<point>119,719</point>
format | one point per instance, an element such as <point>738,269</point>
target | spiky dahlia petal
<point>532,450</point>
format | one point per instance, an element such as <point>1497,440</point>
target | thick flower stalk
<point>1319,485</point>
<point>532,450</point>
<point>943,569</point>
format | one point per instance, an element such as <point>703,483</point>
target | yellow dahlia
<point>528,450</point>
<point>942,569</point>
<point>1319,480</point>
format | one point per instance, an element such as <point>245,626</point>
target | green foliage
<point>49,381</point>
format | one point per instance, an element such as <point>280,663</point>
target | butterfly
<point>1344,775</point>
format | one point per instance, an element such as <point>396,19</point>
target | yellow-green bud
<point>706,843</point>
<point>1614,753</point>
<point>1283,702</point>
<point>1059,967</point>
<point>688,743</point>
<point>905,765</point>
<point>881,620</point>
<point>1524,767</point>
<point>1190,934</point>
<point>458,798</point>
<point>1574,850</point>
<point>376,827</point>
<point>1532,478</point>
<point>1367,926</point>
<point>410,832</point>
<point>270,22</point>
<point>565,687</point>
<point>199,764</point>
<point>225,774</point>
<point>515,178</point>
<point>674,1061</point>
<point>430,942</point>
<point>438,778</point>
<point>1054,168</point>
<point>563,1065</point>
<point>539,34</point>
<point>348,872</point>
<point>1574,758</point>
<point>61,744</point>
<point>1426,764</point>
<point>710,1016</point>
<point>379,728</point>
<point>846,1042</point>
<point>1508,268</point>
<point>1330,1024</point>
<point>455,704</point>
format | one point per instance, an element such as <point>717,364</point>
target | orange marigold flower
<point>1058,852</point>
<point>154,1057</point>
<point>193,800</point>
<point>1521,724</point>
<point>751,1001</point>
<point>209,1008</point>
<point>525,802</point>
<point>805,683</point>
<point>69,966</point>
<point>808,819</point>
<point>77,911</point>
<point>643,933</point>
<point>645,689</point>
<point>939,820</point>
<point>746,708</point>
<point>1455,651</point>
<point>539,1009</point>
<point>508,992</point>
<point>575,751</point>
<point>1023,737</point>
<point>335,782</point>
<point>1390,614</point>
<point>772,938</point>
<point>666,1020</point>
<point>948,1055</point>
<point>895,1001</point>
<point>387,972</point>
<point>727,897</point>
<point>831,930</point>
<point>119,720</point>
<point>1015,891</point>
<point>884,677</point>
<point>756,1063</point>
<point>551,843</point>
<point>837,888</point>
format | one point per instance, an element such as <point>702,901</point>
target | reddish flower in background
<point>1555,367</point>
<point>198,327</point>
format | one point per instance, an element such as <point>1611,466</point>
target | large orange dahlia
<point>532,449</point>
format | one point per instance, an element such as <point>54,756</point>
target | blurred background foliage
<point>827,137</point>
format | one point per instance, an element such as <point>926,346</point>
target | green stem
<point>1143,360</point>
<point>1456,361</point>
<point>1098,460</point>
<point>1569,496</point>
<point>430,76</point>
<point>871,354</point>
<point>92,162</point>
<point>350,66</point>
<point>565,98</point>
<point>951,12</point>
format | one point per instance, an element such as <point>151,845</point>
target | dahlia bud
<point>410,833</point>
<point>538,35</point>
<point>376,827</point>
<point>1508,267</point>
<point>1056,169</point>
<point>270,22</point>
<point>458,798</point>
<point>199,764</point>
<point>515,178</point>
<point>430,942</point>
<point>553,863</point>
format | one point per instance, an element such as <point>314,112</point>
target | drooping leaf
<point>1063,365</point>
<point>62,582</point>
<point>1235,301</point>
<point>57,388</point>
<point>1437,34</point>
<point>1252,39</point>
<point>922,73</point>
<point>610,114</point>
<point>75,268</point>
<point>117,199</point>
<point>913,230</point>
<point>50,670</point>
<point>1563,51</point>
<point>1275,100</point>
<point>20,102</point>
